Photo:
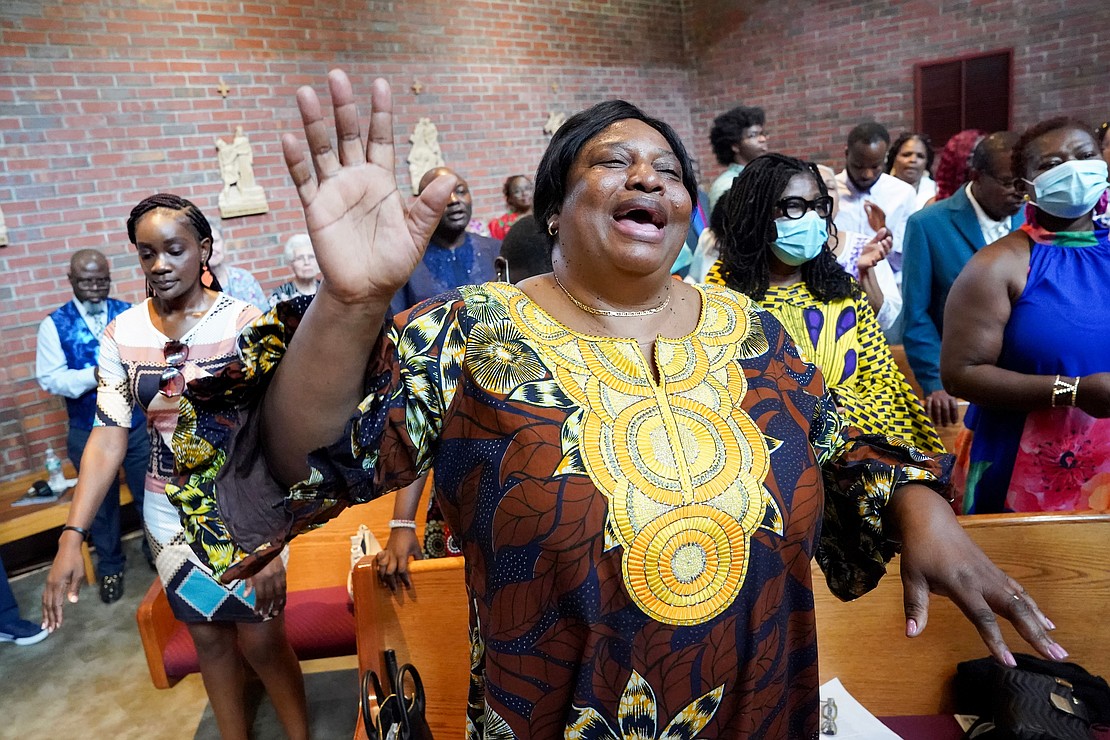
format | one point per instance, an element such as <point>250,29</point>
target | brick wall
<point>820,68</point>
<point>103,102</point>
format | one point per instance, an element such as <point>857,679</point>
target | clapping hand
<point>875,250</point>
<point>876,216</point>
<point>366,242</point>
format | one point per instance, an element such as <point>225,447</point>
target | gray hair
<point>294,243</point>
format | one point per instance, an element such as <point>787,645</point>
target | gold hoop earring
<point>552,229</point>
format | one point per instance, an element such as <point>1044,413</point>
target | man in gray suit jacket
<point>939,241</point>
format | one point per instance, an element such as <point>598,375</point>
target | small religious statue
<point>241,195</point>
<point>425,154</point>
<point>554,120</point>
<point>3,231</point>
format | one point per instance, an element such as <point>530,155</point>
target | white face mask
<point>800,239</point>
<point>1070,189</point>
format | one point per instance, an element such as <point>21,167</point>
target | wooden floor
<point>89,679</point>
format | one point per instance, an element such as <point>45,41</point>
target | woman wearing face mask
<point>1025,337</point>
<point>773,248</point>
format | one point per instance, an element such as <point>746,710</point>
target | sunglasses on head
<point>172,382</point>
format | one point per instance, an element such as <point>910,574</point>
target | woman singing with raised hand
<point>635,467</point>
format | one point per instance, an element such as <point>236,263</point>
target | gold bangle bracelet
<point>1064,388</point>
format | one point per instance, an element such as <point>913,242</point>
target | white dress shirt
<point>897,199</point>
<point>926,191</point>
<point>51,368</point>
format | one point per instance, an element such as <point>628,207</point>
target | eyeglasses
<point>795,206</point>
<point>306,258</point>
<point>828,717</point>
<point>172,382</point>
<point>93,282</point>
<point>1007,182</point>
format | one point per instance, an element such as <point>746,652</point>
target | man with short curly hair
<point>737,138</point>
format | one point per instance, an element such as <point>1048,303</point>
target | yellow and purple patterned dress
<point>638,550</point>
<point>844,339</point>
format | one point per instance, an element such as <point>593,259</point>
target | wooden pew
<point>1061,559</point>
<point>427,626</point>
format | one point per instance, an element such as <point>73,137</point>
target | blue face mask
<point>800,239</point>
<point>1071,189</point>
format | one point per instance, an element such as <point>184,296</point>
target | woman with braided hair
<point>774,248</point>
<point>181,332</point>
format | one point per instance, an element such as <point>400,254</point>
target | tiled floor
<point>89,679</point>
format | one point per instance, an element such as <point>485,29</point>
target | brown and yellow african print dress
<point>638,552</point>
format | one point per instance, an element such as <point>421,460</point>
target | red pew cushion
<point>320,623</point>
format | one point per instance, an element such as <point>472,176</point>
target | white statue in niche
<point>554,120</point>
<point>3,231</point>
<point>241,195</point>
<point>425,154</point>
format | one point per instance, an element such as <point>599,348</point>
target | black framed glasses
<point>172,382</point>
<point>1007,182</point>
<point>795,206</point>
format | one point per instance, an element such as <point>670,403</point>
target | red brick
<point>487,72</point>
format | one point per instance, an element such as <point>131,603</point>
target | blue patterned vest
<point>81,348</point>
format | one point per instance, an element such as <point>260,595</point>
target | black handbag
<point>400,711</point>
<point>1038,700</point>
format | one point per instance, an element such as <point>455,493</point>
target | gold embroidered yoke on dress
<point>679,462</point>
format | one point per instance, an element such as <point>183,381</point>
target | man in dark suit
<point>939,241</point>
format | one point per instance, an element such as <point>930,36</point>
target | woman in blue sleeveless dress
<point>1025,337</point>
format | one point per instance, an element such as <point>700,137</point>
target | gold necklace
<point>618,314</point>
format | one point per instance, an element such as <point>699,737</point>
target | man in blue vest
<point>66,365</point>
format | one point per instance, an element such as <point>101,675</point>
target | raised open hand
<point>367,243</point>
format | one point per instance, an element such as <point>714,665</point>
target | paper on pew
<point>852,720</point>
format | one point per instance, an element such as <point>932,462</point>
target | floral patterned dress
<point>1055,459</point>
<point>132,360</point>
<point>637,551</point>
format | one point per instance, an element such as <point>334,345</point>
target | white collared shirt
<point>897,199</point>
<point>51,368</point>
<point>992,230</point>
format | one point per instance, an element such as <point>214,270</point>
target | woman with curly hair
<point>774,249</point>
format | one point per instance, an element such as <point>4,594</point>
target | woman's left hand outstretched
<point>939,557</point>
